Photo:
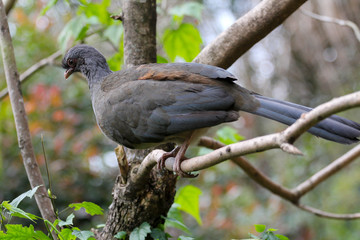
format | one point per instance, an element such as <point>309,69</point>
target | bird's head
<point>85,59</point>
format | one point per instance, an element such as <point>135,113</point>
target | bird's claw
<point>172,153</point>
<point>177,163</point>
<point>181,173</point>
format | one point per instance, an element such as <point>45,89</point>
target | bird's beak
<point>68,72</point>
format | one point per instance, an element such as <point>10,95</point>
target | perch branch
<point>278,140</point>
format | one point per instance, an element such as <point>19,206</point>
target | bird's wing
<point>151,110</point>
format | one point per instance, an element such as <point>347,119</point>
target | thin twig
<point>340,22</point>
<point>328,171</point>
<point>31,70</point>
<point>50,191</point>
<point>21,122</point>
<point>320,213</point>
<point>252,172</point>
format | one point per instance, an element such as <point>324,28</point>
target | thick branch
<point>21,123</point>
<point>247,31</point>
<point>139,38</point>
<point>33,69</point>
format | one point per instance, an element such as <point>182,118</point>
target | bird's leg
<point>179,157</point>
<point>172,153</point>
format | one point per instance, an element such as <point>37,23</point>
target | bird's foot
<point>172,153</point>
<point>179,171</point>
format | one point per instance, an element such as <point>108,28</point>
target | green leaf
<point>184,42</point>
<point>83,235</point>
<point>21,197</point>
<point>193,9</point>
<point>185,238</point>
<point>188,199</point>
<point>272,229</point>
<point>174,219</point>
<point>120,235</point>
<point>141,232</point>
<point>69,221</point>
<point>114,34</point>
<point>269,236</point>
<point>253,236</point>
<point>172,222</point>
<point>75,29</point>
<point>40,235</point>
<point>116,61</point>
<point>66,234</point>
<point>260,227</point>
<point>17,212</point>
<point>158,234</point>
<point>281,237</point>
<point>160,59</point>
<point>98,10</point>
<point>90,208</point>
<point>228,135</point>
<point>19,232</point>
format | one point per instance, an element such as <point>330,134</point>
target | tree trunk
<point>148,200</point>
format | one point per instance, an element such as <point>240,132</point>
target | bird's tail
<point>333,128</point>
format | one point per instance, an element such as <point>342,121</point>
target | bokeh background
<point>304,61</point>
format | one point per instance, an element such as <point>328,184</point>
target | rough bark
<point>149,198</point>
<point>21,122</point>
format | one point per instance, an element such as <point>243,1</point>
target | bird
<point>148,105</point>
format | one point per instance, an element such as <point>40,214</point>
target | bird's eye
<point>71,62</point>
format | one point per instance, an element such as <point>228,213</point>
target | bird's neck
<point>95,75</point>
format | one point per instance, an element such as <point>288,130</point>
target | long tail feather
<point>334,128</point>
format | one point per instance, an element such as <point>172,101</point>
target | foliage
<point>183,39</point>
<point>81,168</point>
<point>18,231</point>
<point>70,232</point>
<point>267,234</point>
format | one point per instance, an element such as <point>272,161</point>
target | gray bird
<point>151,104</point>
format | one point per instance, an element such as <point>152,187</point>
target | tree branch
<point>9,4</point>
<point>340,22</point>
<point>326,172</point>
<point>21,123</point>
<point>324,214</point>
<point>252,172</point>
<point>33,69</point>
<point>247,31</point>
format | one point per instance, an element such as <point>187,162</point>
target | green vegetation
<point>81,160</point>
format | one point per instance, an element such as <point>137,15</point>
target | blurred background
<point>304,61</point>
